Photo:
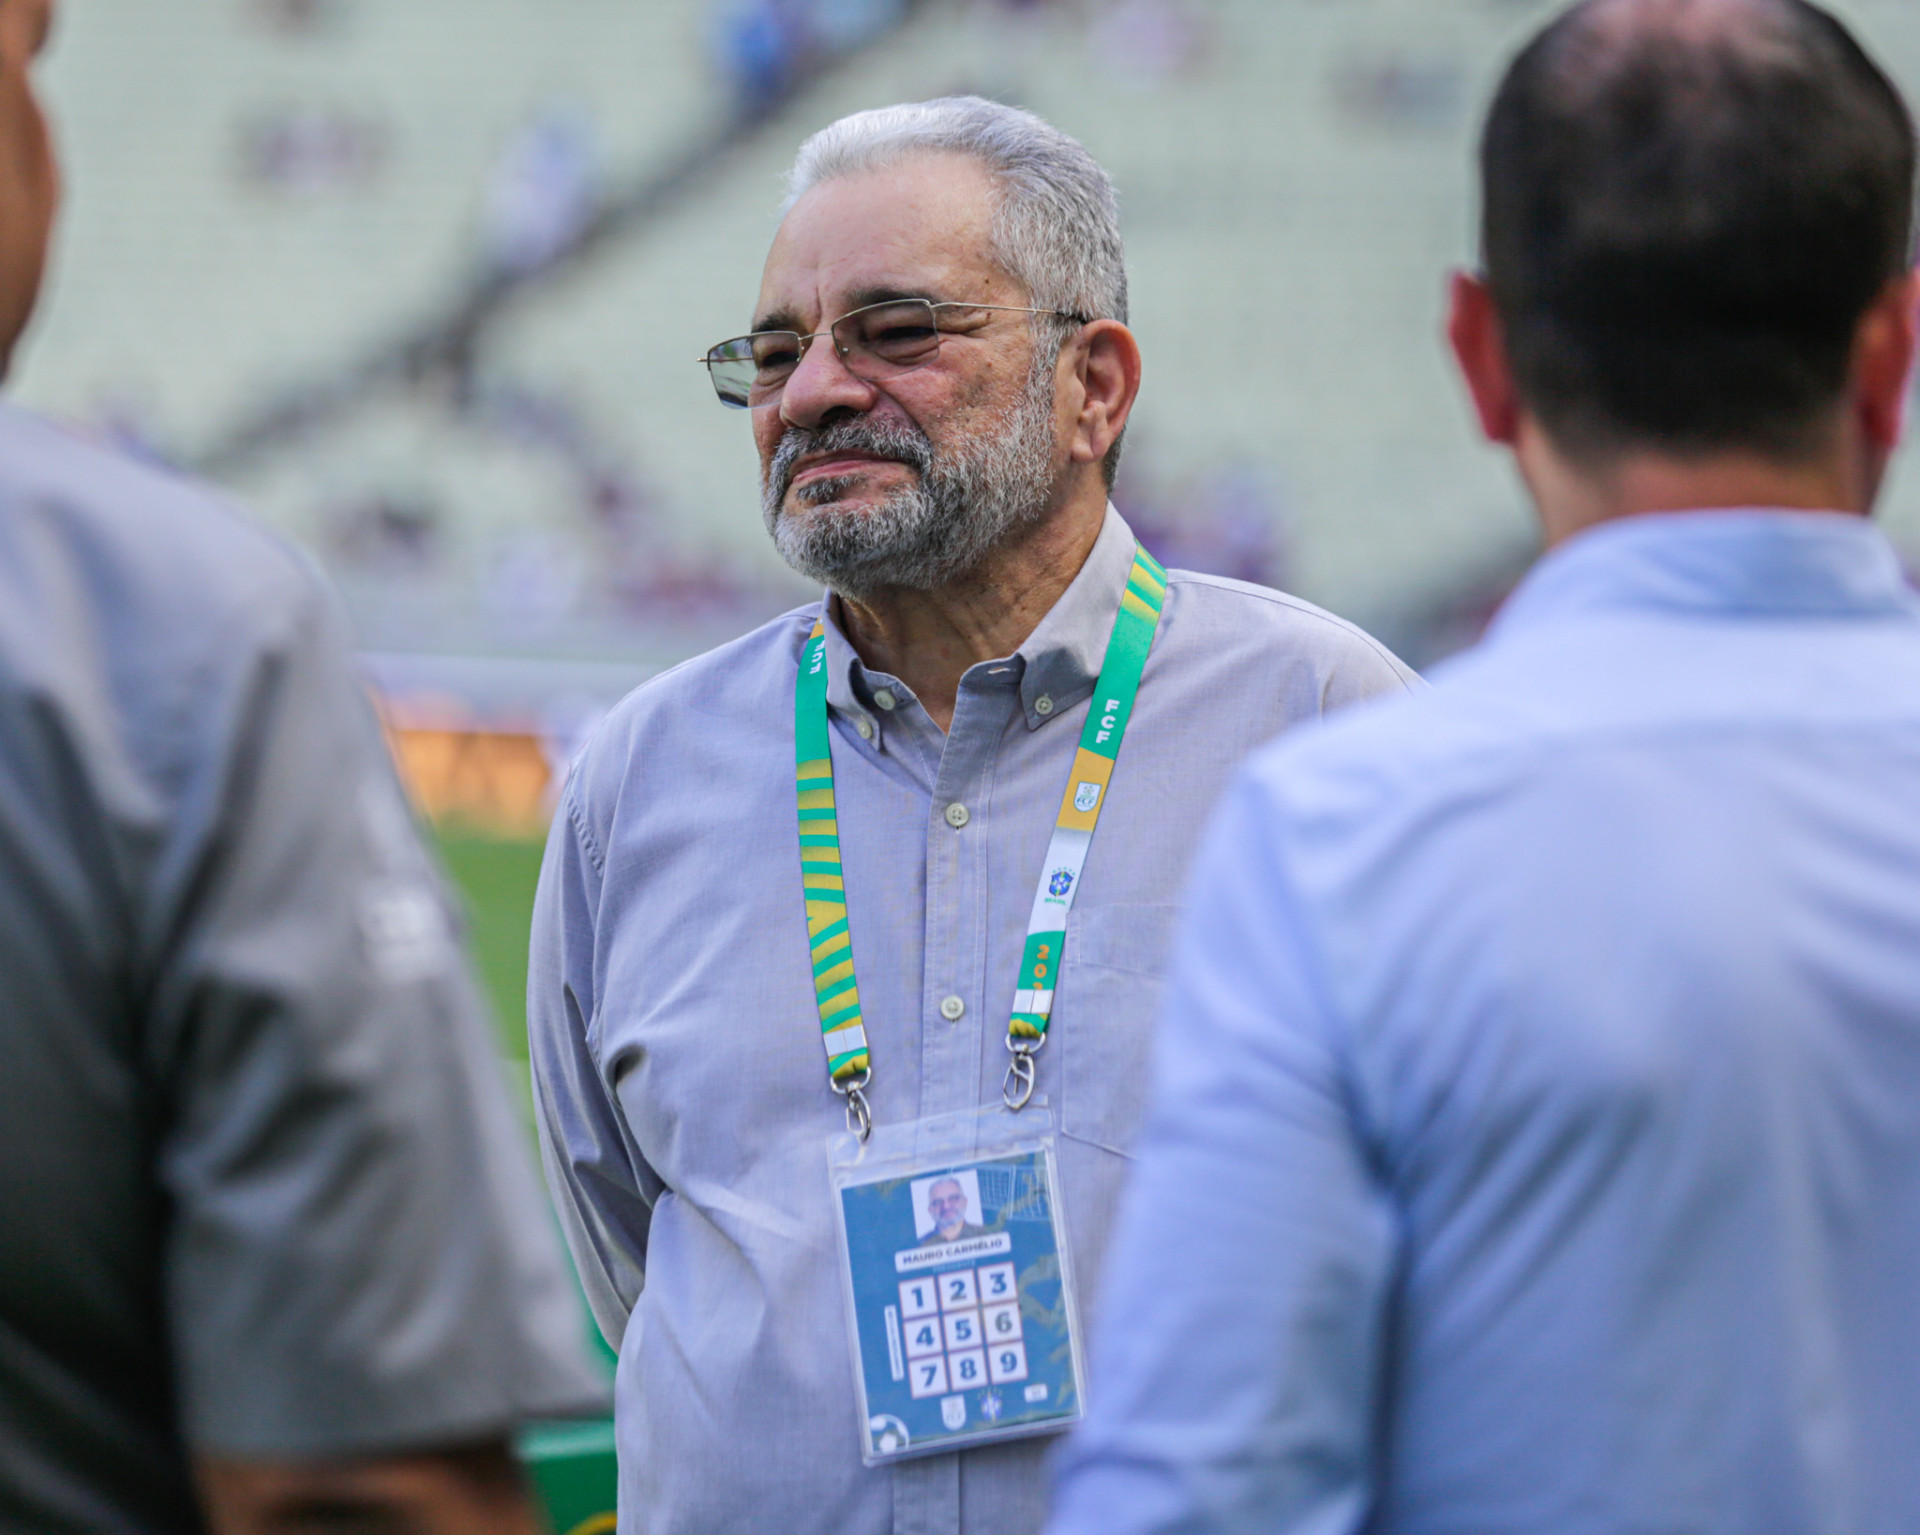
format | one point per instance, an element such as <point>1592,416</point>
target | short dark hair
<point>1687,212</point>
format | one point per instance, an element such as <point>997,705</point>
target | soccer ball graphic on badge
<point>889,1433</point>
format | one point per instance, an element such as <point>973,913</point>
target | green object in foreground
<point>572,1467</point>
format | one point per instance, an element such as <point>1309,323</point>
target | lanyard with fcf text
<point>849,1065</point>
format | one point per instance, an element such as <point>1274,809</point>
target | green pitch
<point>497,880</point>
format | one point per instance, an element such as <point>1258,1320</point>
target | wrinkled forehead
<point>921,228</point>
<point>946,1188</point>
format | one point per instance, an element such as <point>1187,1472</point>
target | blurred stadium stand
<point>424,282</point>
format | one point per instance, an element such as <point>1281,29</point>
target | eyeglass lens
<point>874,343</point>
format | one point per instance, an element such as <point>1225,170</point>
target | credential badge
<point>1086,796</point>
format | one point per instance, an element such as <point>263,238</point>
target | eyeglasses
<point>877,342</point>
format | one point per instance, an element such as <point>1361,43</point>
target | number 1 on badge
<point>918,1298</point>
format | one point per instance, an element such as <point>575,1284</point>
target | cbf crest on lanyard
<point>1100,738</point>
<point>954,1268</point>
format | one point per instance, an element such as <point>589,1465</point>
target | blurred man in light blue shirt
<point>1536,1141</point>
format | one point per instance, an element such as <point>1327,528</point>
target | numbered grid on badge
<point>954,1342</point>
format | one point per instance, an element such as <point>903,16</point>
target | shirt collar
<point>1059,662</point>
<point>1756,563</point>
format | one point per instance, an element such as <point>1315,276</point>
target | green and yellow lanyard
<point>849,1063</point>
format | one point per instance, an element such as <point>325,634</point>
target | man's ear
<point>1106,361</point>
<point>1883,349</point>
<point>1480,348</point>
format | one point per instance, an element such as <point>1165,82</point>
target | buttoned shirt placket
<point>953,1039</point>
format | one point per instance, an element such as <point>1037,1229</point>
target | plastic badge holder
<point>958,1286</point>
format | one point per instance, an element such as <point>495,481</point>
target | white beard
<point>962,505</point>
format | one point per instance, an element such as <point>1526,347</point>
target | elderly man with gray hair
<point>941,466</point>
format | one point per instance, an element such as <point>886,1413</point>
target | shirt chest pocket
<point>1104,1017</point>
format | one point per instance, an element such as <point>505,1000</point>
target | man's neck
<point>1572,496</point>
<point>928,639</point>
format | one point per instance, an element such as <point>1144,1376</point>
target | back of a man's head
<point>1689,206</point>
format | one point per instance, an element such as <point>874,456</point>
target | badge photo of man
<point>936,377</point>
<point>947,1209</point>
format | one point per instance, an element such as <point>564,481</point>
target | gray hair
<point>1056,226</point>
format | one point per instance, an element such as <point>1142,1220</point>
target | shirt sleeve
<point>600,1186</point>
<point>357,1258</point>
<point>1237,1351</point>
<point>1366,669</point>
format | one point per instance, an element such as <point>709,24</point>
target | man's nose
<point>821,386</point>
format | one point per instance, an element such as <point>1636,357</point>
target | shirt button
<point>957,816</point>
<point>952,1008</point>
<point>1043,705</point>
<point>865,727</point>
<point>884,698</point>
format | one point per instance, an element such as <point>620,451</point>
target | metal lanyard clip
<point>859,1114</point>
<point>1017,1089</point>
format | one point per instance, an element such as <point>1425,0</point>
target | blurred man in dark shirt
<point>272,1257</point>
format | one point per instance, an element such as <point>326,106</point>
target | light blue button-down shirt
<point>682,1087</point>
<point>1536,1140</point>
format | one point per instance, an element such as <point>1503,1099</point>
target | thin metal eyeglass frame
<point>803,342</point>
